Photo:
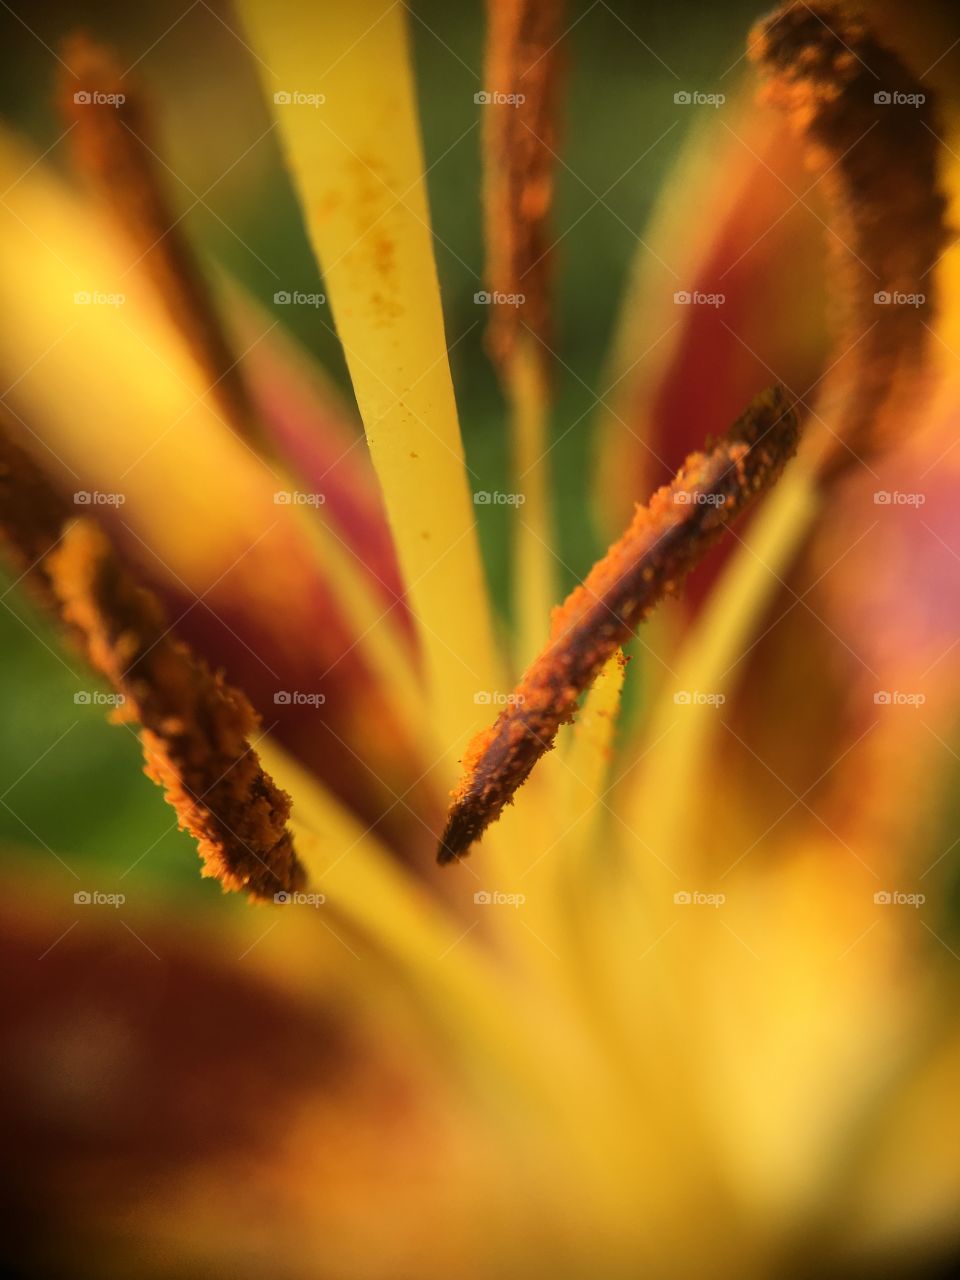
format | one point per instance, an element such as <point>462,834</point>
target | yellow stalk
<point>534,588</point>
<point>558,812</point>
<point>582,854</point>
<point>362,878</point>
<point>545,846</point>
<point>664,805</point>
<point>357,163</point>
<point>591,741</point>
<point>364,613</point>
<point>533,820</point>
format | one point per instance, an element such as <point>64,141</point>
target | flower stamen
<point>195,728</point>
<point>522,76</point>
<point>664,541</point>
<point>520,135</point>
<point>112,137</point>
<point>871,131</point>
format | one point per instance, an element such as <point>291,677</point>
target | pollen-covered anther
<point>664,541</point>
<point>522,75</point>
<point>870,129</point>
<point>195,728</point>
<point>114,147</point>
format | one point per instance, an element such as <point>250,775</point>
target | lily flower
<point>549,963</point>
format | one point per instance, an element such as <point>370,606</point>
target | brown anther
<point>522,74</point>
<point>871,131</point>
<point>195,728</point>
<point>664,541</point>
<point>117,153</point>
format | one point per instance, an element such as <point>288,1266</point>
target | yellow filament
<point>681,728</point>
<point>357,163</point>
<point>535,590</point>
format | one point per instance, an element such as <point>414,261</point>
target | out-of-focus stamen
<point>871,131</point>
<point>116,152</point>
<point>522,74</point>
